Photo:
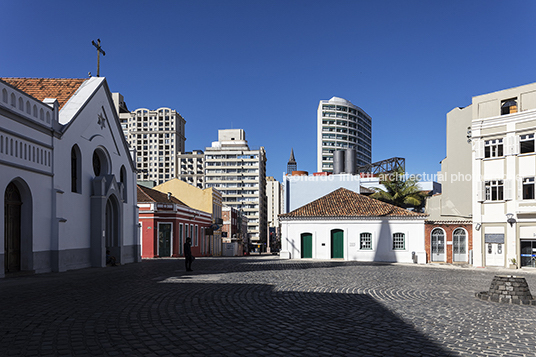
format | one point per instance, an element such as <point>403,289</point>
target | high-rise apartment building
<point>239,173</point>
<point>157,135</point>
<point>191,167</point>
<point>342,125</point>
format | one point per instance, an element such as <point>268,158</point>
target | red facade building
<point>448,241</point>
<point>166,222</point>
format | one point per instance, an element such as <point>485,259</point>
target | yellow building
<point>207,200</point>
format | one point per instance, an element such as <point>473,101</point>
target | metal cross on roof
<point>99,51</point>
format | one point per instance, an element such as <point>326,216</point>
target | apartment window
<point>526,143</point>
<point>509,106</point>
<point>399,241</point>
<point>528,188</point>
<point>365,241</point>
<point>493,148</point>
<point>494,190</point>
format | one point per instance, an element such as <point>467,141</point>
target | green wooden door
<point>164,240</point>
<point>306,245</point>
<point>337,243</point>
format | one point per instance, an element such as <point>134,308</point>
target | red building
<point>166,222</point>
<point>448,241</point>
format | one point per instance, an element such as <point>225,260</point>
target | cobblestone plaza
<point>263,306</point>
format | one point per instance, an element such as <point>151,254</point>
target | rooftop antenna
<point>99,51</point>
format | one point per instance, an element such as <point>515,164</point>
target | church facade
<point>68,177</point>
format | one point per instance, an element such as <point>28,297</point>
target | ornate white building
<point>503,172</point>
<point>67,177</point>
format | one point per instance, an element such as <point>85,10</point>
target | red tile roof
<point>61,89</point>
<point>146,194</point>
<point>345,203</point>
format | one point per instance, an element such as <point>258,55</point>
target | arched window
<point>28,108</point>
<point>123,179</point>
<point>75,169</point>
<point>21,104</point>
<point>13,100</point>
<point>100,162</point>
<point>35,110</point>
<point>42,114</point>
<point>4,95</point>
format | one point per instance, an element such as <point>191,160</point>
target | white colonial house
<point>67,177</point>
<point>347,225</point>
<point>504,172</point>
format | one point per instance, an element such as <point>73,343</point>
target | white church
<point>67,177</point>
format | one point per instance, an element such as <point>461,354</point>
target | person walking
<point>188,257</point>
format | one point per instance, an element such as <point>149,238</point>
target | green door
<point>164,240</point>
<point>306,245</point>
<point>337,243</point>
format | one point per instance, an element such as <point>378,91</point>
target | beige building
<point>274,196</point>
<point>448,232</point>
<point>191,167</point>
<point>157,135</point>
<point>504,171</point>
<point>240,174</point>
<point>206,200</point>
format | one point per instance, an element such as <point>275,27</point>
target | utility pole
<point>99,51</point>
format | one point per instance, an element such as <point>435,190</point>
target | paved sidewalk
<point>260,305</point>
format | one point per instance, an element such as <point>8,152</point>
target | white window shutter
<point>519,189</point>
<point>512,143</point>
<point>481,191</point>
<point>479,148</point>
<point>508,190</point>
<point>516,145</point>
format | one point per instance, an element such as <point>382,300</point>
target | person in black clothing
<point>188,257</point>
<point>110,259</point>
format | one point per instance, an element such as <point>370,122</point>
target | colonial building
<point>347,225</point>
<point>67,176</point>
<point>207,200</point>
<point>166,222</point>
<point>504,171</point>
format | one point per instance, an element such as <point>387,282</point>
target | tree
<point>400,190</point>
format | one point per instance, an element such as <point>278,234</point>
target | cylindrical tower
<point>338,162</point>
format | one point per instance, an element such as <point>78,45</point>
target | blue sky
<point>263,66</point>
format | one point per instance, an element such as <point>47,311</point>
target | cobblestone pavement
<point>263,306</point>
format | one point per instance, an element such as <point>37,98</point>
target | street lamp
<point>510,219</point>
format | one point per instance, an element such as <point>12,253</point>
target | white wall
<point>381,230</point>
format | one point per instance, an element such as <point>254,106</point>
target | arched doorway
<point>337,243</point>
<point>459,245</point>
<point>438,245</point>
<point>112,224</point>
<point>12,229</point>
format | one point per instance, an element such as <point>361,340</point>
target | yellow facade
<point>207,200</point>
